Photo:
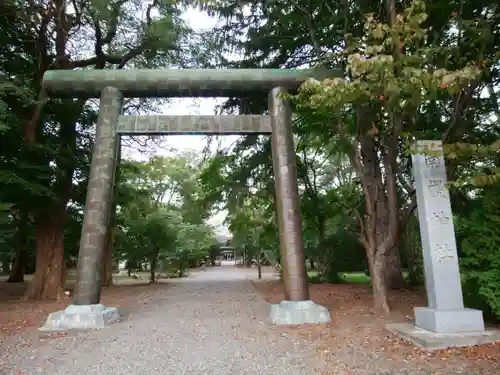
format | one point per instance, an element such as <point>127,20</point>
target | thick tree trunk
<point>19,268</point>
<point>376,254</point>
<point>380,224</point>
<point>50,271</point>
<point>394,270</point>
<point>379,287</point>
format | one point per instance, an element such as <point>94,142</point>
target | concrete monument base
<point>431,340</point>
<point>298,312</point>
<point>81,317</point>
<point>449,321</point>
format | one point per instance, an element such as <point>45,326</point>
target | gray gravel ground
<point>213,322</point>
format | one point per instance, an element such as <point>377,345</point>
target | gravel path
<point>212,322</point>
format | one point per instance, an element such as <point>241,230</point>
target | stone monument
<point>445,321</point>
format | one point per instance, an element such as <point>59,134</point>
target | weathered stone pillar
<point>445,313</point>
<point>445,322</point>
<point>297,308</point>
<point>107,256</point>
<point>98,201</point>
<point>287,200</point>
<point>86,312</point>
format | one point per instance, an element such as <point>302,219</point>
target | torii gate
<point>112,86</point>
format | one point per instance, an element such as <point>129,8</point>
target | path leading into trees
<point>212,322</point>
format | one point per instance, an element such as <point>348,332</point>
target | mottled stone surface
<point>298,312</point>
<point>80,318</point>
<point>194,124</point>
<point>287,199</point>
<point>445,313</point>
<point>98,201</point>
<point>176,82</point>
<point>430,340</point>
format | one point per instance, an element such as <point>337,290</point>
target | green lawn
<point>356,278</point>
<point>349,277</point>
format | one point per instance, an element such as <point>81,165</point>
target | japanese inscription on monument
<point>440,218</point>
<point>437,189</point>
<point>432,162</point>
<point>436,226</point>
<point>444,252</point>
<point>445,312</point>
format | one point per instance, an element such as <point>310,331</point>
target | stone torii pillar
<point>297,308</point>
<point>86,311</point>
<point>112,85</point>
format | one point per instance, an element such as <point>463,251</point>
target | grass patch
<point>348,277</point>
<point>356,278</point>
<point>312,273</point>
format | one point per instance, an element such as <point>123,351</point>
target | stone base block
<point>80,317</point>
<point>431,340</point>
<point>298,312</point>
<point>449,321</point>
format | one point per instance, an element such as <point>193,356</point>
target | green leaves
<point>481,256</point>
<point>378,71</point>
<point>158,215</point>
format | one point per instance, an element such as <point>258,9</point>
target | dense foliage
<point>156,218</point>
<point>403,71</point>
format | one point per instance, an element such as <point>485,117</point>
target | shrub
<point>480,253</point>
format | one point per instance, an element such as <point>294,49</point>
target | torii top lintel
<point>176,82</point>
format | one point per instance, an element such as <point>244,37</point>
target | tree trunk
<point>181,268</point>
<point>394,270</point>
<point>377,267</point>
<point>380,256</point>
<point>377,233</point>
<point>50,269</point>
<point>19,268</point>
<point>152,269</point>
<point>259,268</point>
<point>248,259</point>
<point>379,287</point>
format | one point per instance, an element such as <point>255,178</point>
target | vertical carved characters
<point>442,274</point>
<point>98,200</point>
<point>437,189</point>
<point>287,202</point>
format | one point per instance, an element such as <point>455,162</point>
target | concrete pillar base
<point>81,317</point>
<point>429,340</point>
<point>449,321</point>
<point>298,312</point>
